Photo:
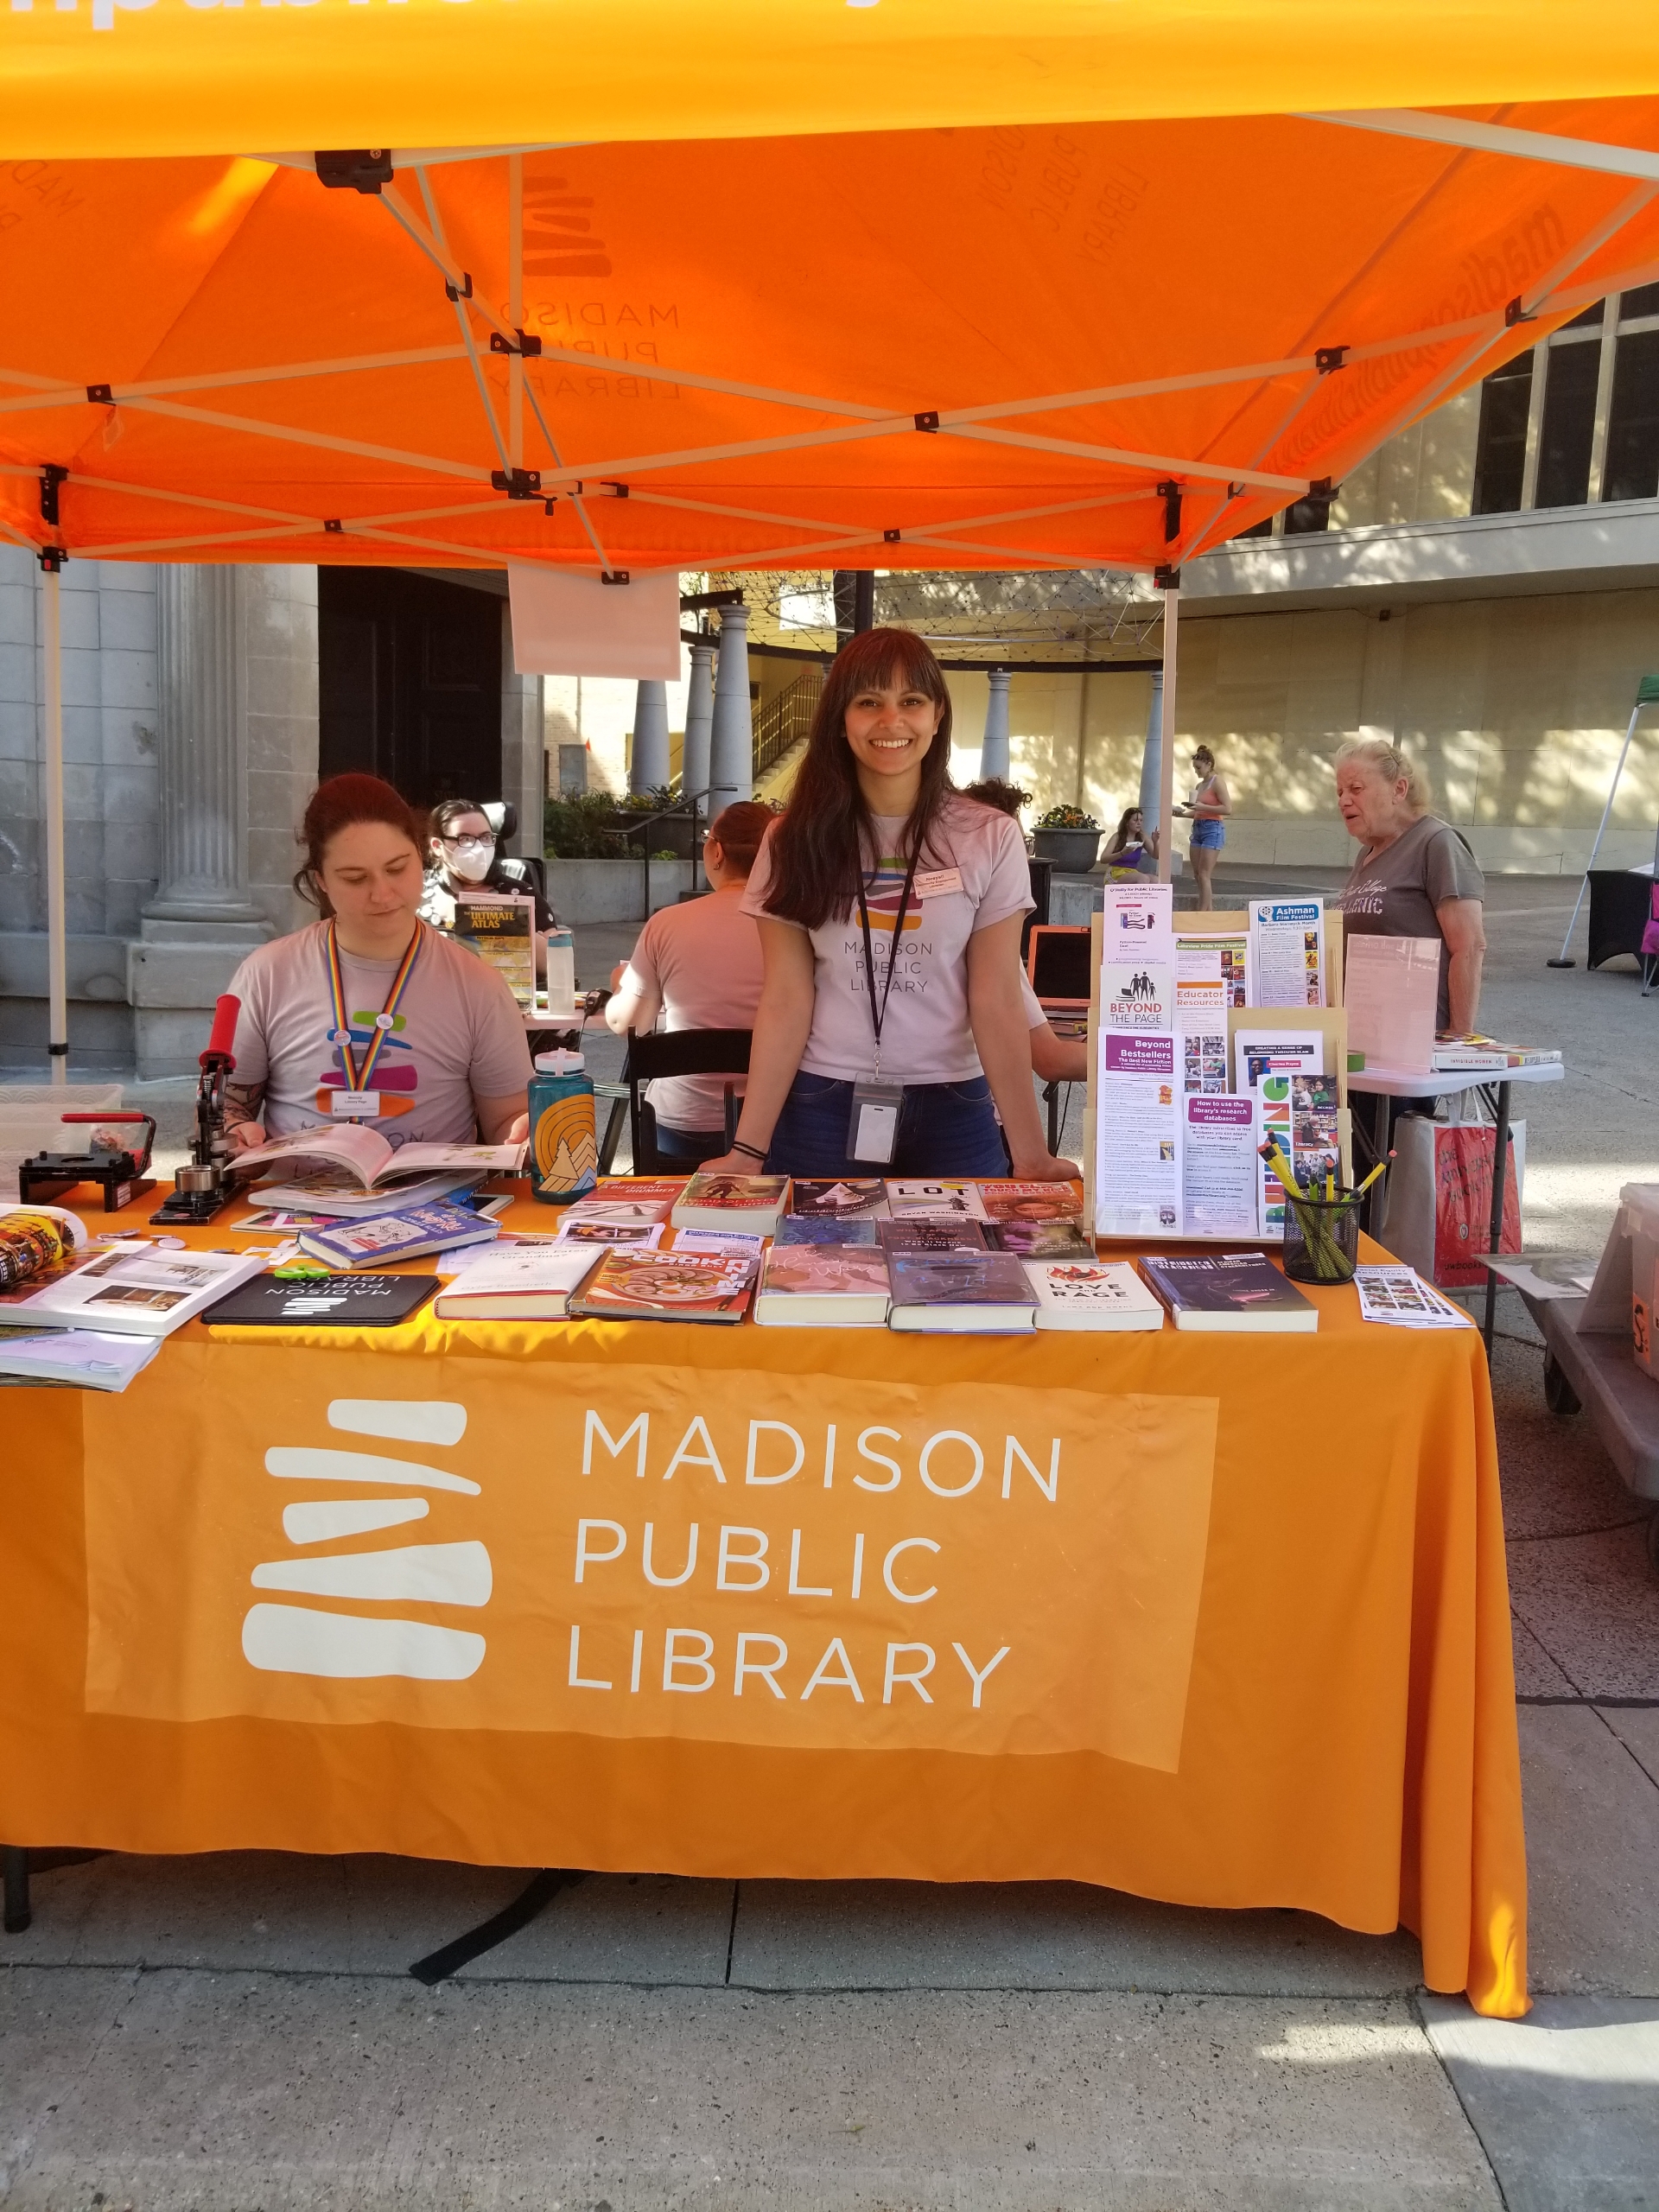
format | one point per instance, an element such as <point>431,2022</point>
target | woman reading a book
<point>889,909</point>
<point>369,1014</point>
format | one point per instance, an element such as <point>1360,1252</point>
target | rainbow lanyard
<point>383,1021</point>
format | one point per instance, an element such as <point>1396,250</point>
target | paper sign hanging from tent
<point>565,625</point>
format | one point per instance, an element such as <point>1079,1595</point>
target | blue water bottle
<point>564,1137</point>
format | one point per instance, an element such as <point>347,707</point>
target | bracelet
<point>738,1145</point>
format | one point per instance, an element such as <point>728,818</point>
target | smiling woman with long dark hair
<point>889,907</point>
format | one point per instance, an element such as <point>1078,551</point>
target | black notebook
<point>322,1302</point>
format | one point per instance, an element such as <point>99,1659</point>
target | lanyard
<point>341,1033</point>
<point>877,1017</point>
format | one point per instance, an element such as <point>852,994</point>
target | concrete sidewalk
<point>241,2033</point>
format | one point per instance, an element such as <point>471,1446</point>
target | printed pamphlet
<point>1137,1160</point>
<point>1287,951</point>
<point>1400,1296</point>
<point>1220,1171</point>
<point>501,928</point>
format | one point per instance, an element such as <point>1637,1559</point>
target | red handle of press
<point>223,1032</point>
<point>103,1117</point>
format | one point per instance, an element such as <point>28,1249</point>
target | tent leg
<point>57,946</point>
<point>1166,737</point>
<point>1561,959</point>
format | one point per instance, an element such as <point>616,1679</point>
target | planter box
<point>1072,851</point>
<point>613,891</point>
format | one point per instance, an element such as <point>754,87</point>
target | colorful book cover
<point>733,1193</point>
<point>917,1201</point>
<point>1032,1201</point>
<point>845,1201</point>
<point>389,1238</point>
<point>631,1286</point>
<point>824,1271</point>
<point>959,1278</point>
<point>1041,1240</point>
<point>930,1235</point>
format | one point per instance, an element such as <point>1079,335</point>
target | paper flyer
<point>1137,995</point>
<point>1137,922</point>
<point>1203,1059</point>
<point>1219,1167</point>
<point>1287,951</point>
<point>1211,973</point>
<point>1269,1061</point>
<point>1137,1163</point>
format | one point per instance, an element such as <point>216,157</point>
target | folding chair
<point>663,1053</point>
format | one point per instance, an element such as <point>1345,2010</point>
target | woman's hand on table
<point>1043,1167</point>
<point>731,1163</point>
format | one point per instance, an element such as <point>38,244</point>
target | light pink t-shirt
<point>458,1030</point>
<point>703,960</point>
<point>926,1036</point>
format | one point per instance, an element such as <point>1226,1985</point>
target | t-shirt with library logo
<point>457,1031</point>
<point>972,873</point>
<point>1395,892</point>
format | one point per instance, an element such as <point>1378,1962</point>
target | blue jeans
<point>945,1128</point>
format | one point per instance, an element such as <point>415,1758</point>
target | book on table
<point>410,1234</point>
<point>961,1294</point>
<point>822,1287</point>
<point>817,1229</point>
<point>1091,1294</point>
<point>948,1234</point>
<point>754,1203</point>
<point>525,1282</point>
<point>626,1200</point>
<point>1227,1291</point>
<point>581,1229</point>
<point>913,1200</point>
<point>1471,1053</point>
<point>632,1286</point>
<point>854,1198</point>
<point>1032,1201</point>
<point>1040,1240</point>
<point>323,1302</point>
<point>84,1359</point>
<point>364,1164</point>
<point>136,1290</point>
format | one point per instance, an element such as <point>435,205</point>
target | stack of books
<point>1458,1055</point>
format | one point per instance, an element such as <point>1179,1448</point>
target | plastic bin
<point>1641,1205</point>
<point>30,1121</point>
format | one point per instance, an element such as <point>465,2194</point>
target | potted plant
<point>1068,837</point>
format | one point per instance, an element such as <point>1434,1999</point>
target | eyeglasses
<point>470,845</point>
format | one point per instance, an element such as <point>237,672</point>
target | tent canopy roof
<point>995,346</point>
<point>91,79</point>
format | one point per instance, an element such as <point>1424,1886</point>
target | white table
<point>1405,1083</point>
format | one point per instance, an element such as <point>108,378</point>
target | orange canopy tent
<point>925,282</point>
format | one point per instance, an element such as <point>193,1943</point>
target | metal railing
<point>784,721</point>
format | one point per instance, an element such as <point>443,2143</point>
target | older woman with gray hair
<point>1415,876</point>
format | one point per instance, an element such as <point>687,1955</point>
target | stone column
<point>699,719</point>
<point>202,920</point>
<point>731,764</point>
<point>1152,755</point>
<point>648,769</point>
<point>994,755</point>
<point>523,747</point>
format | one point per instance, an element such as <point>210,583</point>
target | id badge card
<point>873,1137</point>
<point>354,1105</point>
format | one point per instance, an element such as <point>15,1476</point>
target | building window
<point>1632,470</point>
<point>1569,430</point>
<point>1500,447</point>
<point>1576,419</point>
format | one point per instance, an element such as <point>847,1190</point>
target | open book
<point>375,1163</point>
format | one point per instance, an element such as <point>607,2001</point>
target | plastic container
<point>560,969</point>
<point>1641,1205</point>
<point>564,1136</point>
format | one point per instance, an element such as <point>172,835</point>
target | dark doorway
<point>410,682</point>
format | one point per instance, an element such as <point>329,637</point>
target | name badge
<point>935,882</point>
<point>354,1105</point>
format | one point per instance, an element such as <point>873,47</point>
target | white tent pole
<point>57,987</point>
<point>1561,959</point>
<point>1166,737</point>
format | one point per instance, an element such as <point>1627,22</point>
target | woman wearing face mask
<point>369,1014</point>
<point>889,909</point>
<point>463,857</point>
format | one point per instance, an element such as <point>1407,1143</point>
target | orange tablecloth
<point>1223,1621</point>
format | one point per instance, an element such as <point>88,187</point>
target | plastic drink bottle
<point>560,969</point>
<point>563,1139</point>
